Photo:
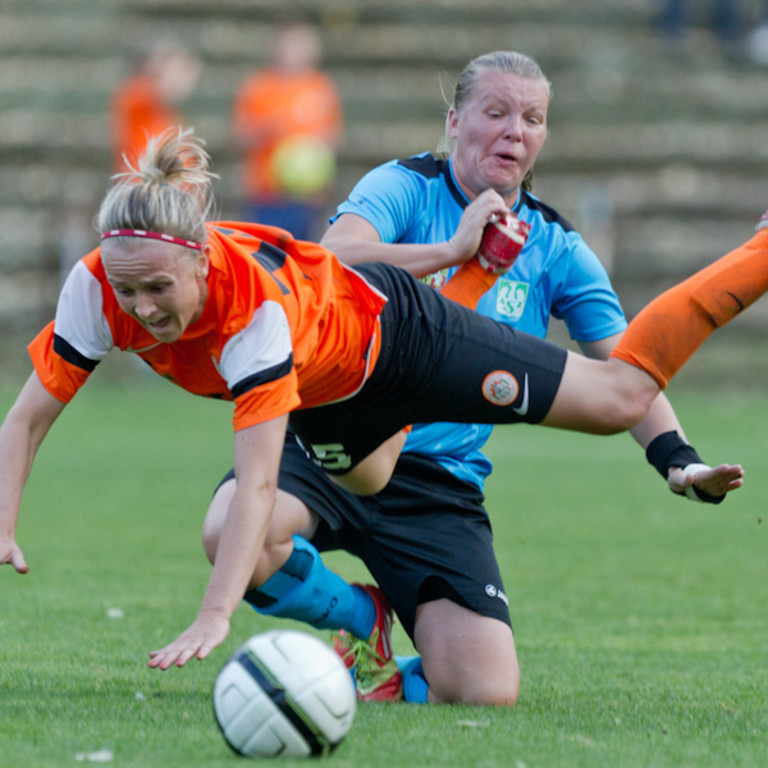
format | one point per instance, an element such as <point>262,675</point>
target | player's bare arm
<point>23,429</point>
<point>257,454</point>
<point>355,241</point>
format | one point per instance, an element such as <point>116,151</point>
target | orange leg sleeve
<point>671,328</point>
<point>468,284</point>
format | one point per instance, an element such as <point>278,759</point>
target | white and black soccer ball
<point>284,693</point>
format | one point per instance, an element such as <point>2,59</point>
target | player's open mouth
<point>159,325</point>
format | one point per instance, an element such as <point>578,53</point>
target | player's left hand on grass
<point>206,633</point>
<point>713,483</point>
<point>11,553</point>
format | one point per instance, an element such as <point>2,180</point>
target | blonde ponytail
<point>169,190</point>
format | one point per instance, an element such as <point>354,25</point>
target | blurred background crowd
<point>658,148</point>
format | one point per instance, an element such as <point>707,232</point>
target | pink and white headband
<point>154,236</point>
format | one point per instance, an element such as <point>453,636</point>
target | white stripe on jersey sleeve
<point>80,317</point>
<point>263,344</point>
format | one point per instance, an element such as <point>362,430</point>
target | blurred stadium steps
<point>659,156</point>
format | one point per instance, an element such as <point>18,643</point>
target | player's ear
<point>203,263</point>
<point>452,122</point>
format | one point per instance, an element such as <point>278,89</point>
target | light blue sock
<point>415,685</point>
<point>305,590</point>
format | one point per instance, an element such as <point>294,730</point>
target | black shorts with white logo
<point>426,536</point>
<point>439,361</point>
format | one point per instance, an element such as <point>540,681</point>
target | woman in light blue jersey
<point>426,538</point>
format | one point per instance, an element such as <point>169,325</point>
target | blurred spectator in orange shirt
<point>145,103</point>
<point>288,121</point>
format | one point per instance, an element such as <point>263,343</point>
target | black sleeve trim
<point>263,377</point>
<point>66,351</point>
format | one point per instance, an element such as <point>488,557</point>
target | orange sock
<point>672,327</point>
<point>468,284</point>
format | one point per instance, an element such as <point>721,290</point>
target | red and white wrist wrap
<point>503,239</point>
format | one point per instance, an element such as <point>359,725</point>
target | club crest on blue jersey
<point>511,297</point>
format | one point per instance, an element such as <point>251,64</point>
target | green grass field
<point>641,619</point>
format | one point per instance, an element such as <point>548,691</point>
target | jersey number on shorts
<point>331,456</point>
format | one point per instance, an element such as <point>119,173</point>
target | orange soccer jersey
<point>272,106</point>
<point>285,326</point>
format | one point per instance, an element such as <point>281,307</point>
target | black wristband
<point>705,497</point>
<point>670,450</point>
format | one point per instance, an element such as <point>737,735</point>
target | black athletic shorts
<point>439,361</point>
<point>425,536</point>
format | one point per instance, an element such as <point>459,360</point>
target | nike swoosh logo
<point>523,409</point>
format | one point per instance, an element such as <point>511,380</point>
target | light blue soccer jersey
<point>418,201</point>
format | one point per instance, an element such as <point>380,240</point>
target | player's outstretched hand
<point>714,482</point>
<point>11,553</point>
<point>208,631</point>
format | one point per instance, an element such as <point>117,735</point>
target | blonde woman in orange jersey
<point>349,356</point>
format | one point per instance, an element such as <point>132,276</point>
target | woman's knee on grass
<point>455,684</point>
<point>467,658</point>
